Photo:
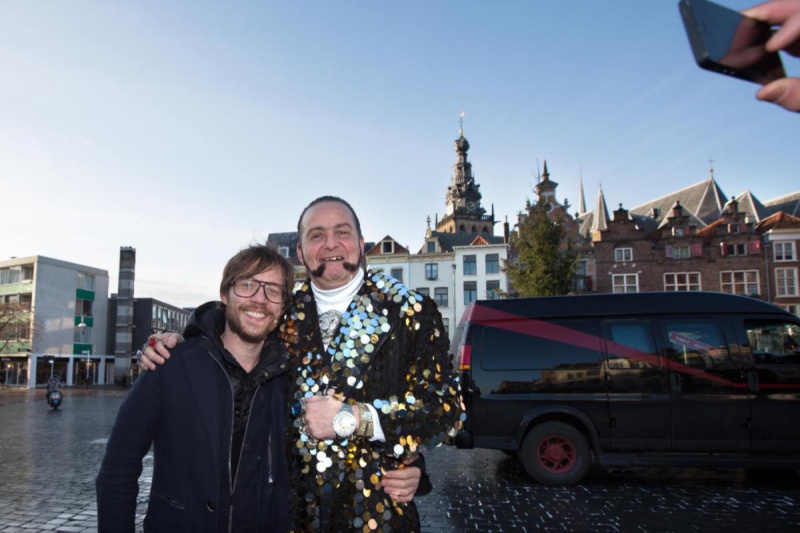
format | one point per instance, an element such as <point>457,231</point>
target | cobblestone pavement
<point>49,459</point>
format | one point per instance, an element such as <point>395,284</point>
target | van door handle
<point>752,381</point>
<point>675,381</point>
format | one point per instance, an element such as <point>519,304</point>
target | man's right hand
<point>159,352</point>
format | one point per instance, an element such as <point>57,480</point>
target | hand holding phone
<point>785,14</point>
<point>726,41</point>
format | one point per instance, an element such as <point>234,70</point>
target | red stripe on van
<point>489,317</point>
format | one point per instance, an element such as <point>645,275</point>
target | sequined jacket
<point>391,350</point>
<point>186,410</point>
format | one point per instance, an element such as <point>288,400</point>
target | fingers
<point>401,484</point>
<point>171,341</point>
<point>786,13</point>
<point>784,92</point>
<point>318,415</point>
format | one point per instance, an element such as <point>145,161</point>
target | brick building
<point>692,239</point>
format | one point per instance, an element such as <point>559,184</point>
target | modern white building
<point>66,334</point>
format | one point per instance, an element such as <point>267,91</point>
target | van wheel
<point>555,453</point>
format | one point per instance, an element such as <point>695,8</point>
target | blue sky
<point>191,129</point>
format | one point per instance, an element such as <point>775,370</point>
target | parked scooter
<point>54,396</point>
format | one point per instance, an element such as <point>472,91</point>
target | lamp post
<point>82,327</point>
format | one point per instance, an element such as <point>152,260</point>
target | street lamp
<point>82,327</point>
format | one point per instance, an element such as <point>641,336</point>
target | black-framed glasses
<point>247,288</point>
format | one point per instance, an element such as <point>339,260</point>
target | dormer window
<point>387,247</point>
<point>284,251</point>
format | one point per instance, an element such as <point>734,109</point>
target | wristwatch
<point>366,427</point>
<point>344,423</point>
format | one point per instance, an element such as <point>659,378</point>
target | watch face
<point>344,424</point>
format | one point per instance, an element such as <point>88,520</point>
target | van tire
<point>555,453</point>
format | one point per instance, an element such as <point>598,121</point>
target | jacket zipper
<point>230,445</point>
<point>239,464</point>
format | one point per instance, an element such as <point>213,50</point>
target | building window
<point>446,324</point>
<point>470,291</point>
<point>85,281</point>
<point>16,274</point>
<point>492,263</point>
<point>739,282</point>
<point>784,251</point>
<point>431,247</point>
<point>425,291</point>
<point>83,307</point>
<point>680,252</point>
<point>492,287</point>
<point>734,249</point>
<point>83,335</point>
<point>431,271</point>
<point>470,265</point>
<point>623,255</point>
<point>440,296</point>
<point>387,247</point>
<point>625,283</point>
<point>397,273</point>
<point>786,281</point>
<point>284,251</point>
<point>682,281</point>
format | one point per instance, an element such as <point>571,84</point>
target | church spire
<point>582,199</point>
<point>600,221</point>
<point>464,213</point>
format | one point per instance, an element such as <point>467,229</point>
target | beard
<point>237,327</point>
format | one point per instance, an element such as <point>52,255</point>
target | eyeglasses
<point>247,288</point>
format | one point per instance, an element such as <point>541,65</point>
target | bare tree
<point>16,324</point>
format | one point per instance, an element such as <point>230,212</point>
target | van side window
<point>774,341</point>
<point>540,345</point>
<point>631,334</point>
<point>695,343</point>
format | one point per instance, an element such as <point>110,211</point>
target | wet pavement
<point>49,459</point>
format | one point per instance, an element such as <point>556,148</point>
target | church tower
<point>464,212</point>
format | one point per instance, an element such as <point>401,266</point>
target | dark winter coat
<point>186,410</point>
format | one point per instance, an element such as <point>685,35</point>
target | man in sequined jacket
<point>373,375</point>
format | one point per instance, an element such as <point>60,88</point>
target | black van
<point>641,379</point>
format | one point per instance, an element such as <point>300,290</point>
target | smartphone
<point>725,41</point>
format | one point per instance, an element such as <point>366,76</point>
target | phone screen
<point>725,41</point>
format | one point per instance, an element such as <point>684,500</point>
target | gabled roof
<point>449,240</point>
<point>751,206</point>
<point>287,239</point>
<point>693,220</point>
<point>789,203</point>
<point>780,220</point>
<point>378,250</point>
<point>704,200</point>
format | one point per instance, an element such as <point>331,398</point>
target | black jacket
<point>186,410</point>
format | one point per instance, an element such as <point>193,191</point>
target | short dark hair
<point>319,201</point>
<point>252,260</point>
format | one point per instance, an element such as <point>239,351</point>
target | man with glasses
<point>216,415</point>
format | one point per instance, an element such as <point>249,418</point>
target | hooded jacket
<point>186,410</point>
